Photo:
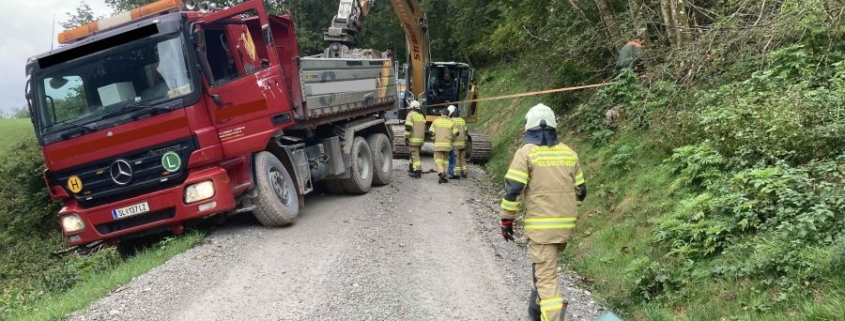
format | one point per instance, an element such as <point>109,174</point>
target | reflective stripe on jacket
<point>443,130</point>
<point>461,137</point>
<point>547,177</point>
<point>415,128</point>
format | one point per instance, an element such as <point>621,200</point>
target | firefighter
<point>414,138</point>
<point>443,130</point>
<point>458,163</point>
<point>548,175</point>
<point>631,55</point>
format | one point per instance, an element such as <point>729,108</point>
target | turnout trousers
<point>546,301</point>
<point>460,162</point>
<point>441,161</point>
<point>416,163</point>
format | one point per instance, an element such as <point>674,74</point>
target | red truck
<point>161,115</point>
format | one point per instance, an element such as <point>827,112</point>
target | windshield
<point>108,83</point>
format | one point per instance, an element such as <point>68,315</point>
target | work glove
<point>507,229</point>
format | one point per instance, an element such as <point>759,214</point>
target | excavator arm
<point>413,21</point>
<point>346,25</point>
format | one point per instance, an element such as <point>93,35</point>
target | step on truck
<point>163,115</point>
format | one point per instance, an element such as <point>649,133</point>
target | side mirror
<point>198,37</point>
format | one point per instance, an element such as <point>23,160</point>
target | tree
<point>22,112</point>
<point>609,21</point>
<point>82,16</point>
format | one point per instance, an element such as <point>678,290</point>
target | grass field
<point>14,130</point>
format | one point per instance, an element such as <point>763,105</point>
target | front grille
<point>135,221</point>
<point>148,174</point>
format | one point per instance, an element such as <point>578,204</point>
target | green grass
<point>629,188</point>
<point>57,305</point>
<point>617,230</point>
<point>13,131</point>
<point>504,118</point>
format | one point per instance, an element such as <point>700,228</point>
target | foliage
<point>82,16</point>
<point>757,184</point>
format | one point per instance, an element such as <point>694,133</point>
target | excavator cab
<point>451,83</point>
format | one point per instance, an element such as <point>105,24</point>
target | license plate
<point>131,210</point>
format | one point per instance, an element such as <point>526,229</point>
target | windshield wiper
<point>80,130</point>
<point>133,107</point>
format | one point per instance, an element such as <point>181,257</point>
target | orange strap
<point>533,93</point>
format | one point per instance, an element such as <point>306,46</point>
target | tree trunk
<point>635,9</point>
<point>609,22</point>
<point>667,8</point>
<point>682,22</point>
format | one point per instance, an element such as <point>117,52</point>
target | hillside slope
<point>712,201</point>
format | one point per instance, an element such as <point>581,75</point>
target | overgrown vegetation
<point>721,194</point>
<point>29,233</point>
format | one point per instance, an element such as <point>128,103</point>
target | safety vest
<point>630,55</point>
<point>443,130</point>
<point>551,175</point>
<point>415,128</point>
<point>460,139</point>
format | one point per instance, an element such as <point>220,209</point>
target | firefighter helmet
<point>415,104</point>
<point>540,115</point>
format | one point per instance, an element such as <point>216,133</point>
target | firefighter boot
<point>415,174</point>
<point>443,178</point>
<point>533,307</point>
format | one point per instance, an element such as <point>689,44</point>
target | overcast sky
<point>27,27</point>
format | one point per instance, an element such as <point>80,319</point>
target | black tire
<point>278,202</point>
<point>361,171</point>
<point>382,152</point>
<point>333,187</point>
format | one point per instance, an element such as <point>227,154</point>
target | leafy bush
<point>766,185</point>
<point>29,232</point>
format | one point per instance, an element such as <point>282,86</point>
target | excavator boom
<point>413,21</point>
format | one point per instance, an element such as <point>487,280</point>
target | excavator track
<point>400,149</point>
<point>479,147</point>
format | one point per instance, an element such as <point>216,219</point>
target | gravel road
<point>412,250</point>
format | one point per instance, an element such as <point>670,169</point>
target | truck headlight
<point>199,191</point>
<point>72,223</point>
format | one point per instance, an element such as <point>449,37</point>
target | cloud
<point>27,28</point>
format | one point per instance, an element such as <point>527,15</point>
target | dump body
<point>335,88</point>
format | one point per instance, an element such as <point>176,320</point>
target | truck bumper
<point>166,209</point>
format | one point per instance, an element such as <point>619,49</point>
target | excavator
<point>434,84</point>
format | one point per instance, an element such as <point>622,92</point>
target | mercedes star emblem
<point>121,172</point>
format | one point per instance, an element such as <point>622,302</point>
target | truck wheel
<point>361,175</point>
<point>333,187</point>
<point>277,203</point>
<point>382,158</point>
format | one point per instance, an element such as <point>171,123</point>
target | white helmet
<point>415,104</point>
<point>539,113</point>
<point>451,109</point>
